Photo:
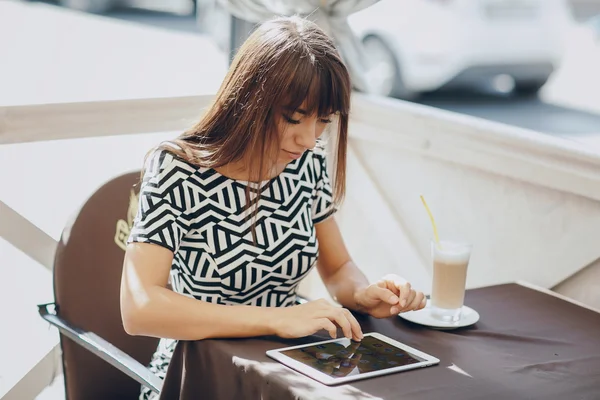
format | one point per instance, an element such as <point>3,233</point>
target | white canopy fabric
<point>331,15</point>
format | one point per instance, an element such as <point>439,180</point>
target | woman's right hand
<point>308,318</point>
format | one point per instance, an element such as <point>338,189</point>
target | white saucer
<point>424,317</point>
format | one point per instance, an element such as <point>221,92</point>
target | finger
<point>382,284</point>
<point>411,297</point>
<point>391,286</point>
<point>324,323</point>
<point>337,315</point>
<point>423,303</point>
<point>354,325</point>
<point>404,293</point>
<point>383,294</point>
<point>415,304</point>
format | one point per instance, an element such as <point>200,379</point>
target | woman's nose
<point>307,137</point>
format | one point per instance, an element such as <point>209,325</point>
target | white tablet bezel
<point>428,360</point>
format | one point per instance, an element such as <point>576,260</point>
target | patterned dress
<point>199,215</point>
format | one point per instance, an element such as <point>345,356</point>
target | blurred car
<point>416,46</point>
<point>104,6</point>
<point>92,6</point>
<point>594,25</point>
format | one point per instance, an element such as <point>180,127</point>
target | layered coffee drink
<point>450,264</point>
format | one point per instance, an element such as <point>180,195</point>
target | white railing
<point>31,123</point>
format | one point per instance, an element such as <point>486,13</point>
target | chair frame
<point>105,350</point>
<point>101,348</point>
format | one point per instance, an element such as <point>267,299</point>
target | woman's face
<point>299,132</point>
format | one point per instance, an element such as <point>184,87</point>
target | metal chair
<point>100,360</point>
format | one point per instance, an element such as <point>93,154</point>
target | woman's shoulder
<point>167,159</point>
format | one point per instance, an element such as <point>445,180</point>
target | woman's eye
<point>291,120</point>
<point>326,120</point>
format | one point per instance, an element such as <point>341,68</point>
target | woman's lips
<point>293,155</point>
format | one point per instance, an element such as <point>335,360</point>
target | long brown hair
<point>286,62</point>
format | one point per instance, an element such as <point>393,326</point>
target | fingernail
<point>403,303</point>
<point>395,310</point>
<point>394,299</point>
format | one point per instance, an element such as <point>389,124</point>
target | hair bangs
<point>317,88</point>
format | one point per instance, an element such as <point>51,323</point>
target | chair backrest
<point>87,277</point>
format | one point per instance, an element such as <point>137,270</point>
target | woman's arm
<point>148,308</point>
<point>337,270</point>
<point>349,286</point>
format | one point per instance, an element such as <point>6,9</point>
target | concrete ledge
<point>39,377</point>
<point>489,146</point>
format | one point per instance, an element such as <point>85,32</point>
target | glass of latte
<point>450,264</point>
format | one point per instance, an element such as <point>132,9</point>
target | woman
<point>236,210</point>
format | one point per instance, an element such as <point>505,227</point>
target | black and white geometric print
<point>202,217</point>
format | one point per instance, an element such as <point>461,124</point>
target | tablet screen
<point>345,357</point>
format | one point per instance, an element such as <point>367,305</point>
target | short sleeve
<point>163,202</point>
<point>322,203</point>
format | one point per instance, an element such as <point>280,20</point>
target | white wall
<point>529,203</point>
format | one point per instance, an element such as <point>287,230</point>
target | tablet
<point>342,360</point>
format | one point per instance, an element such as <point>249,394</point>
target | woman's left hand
<point>388,297</point>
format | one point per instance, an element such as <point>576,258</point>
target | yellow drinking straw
<point>435,232</point>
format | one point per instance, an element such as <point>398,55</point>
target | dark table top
<point>527,345</point>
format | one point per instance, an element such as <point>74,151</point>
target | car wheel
<point>529,88</point>
<point>384,75</point>
<point>90,6</point>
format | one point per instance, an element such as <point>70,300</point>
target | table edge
<point>557,295</point>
